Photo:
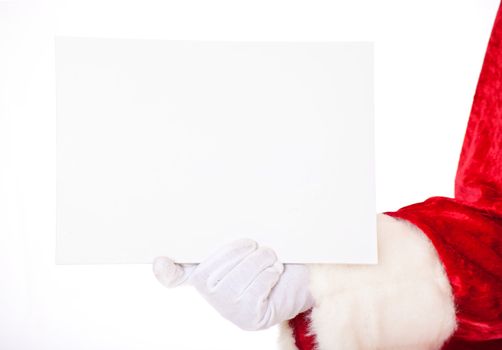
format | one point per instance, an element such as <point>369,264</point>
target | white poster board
<point>176,147</point>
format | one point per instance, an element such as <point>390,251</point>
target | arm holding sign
<point>404,300</point>
<point>245,283</point>
<point>438,282</point>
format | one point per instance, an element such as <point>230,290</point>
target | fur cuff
<point>286,339</point>
<point>403,302</point>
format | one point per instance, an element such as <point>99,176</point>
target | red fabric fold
<point>304,340</point>
<point>479,173</point>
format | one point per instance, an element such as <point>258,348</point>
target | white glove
<point>245,283</point>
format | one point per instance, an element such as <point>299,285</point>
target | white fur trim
<point>286,340</point>
<point>403,302</point>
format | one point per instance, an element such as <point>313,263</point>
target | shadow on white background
<point>428,56</point>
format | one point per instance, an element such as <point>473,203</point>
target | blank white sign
<point>176,147</point>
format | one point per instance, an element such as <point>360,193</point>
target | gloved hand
<point>245,283</point>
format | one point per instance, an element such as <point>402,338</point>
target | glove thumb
<point>170,274</point>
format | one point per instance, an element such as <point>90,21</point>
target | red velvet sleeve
<point>467,230</point>
<point>469,243</point>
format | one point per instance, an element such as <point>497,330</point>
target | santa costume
<point>438,283</point>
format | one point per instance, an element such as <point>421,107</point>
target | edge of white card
<point>351,231</point>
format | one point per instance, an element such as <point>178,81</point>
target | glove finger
<point>265,314</point>
<point>264,283</point>
<point>245,272</point>
<point>170,274</point>
<point>222,261</point>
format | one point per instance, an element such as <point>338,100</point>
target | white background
<point>428,56</point>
